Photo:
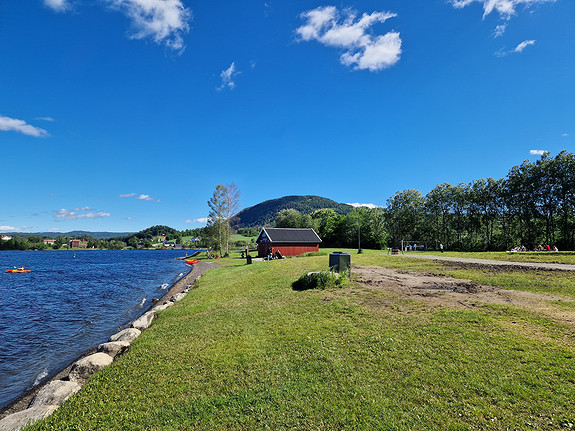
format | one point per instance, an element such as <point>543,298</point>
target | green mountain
<point>264,214</point>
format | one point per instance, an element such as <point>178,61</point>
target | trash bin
<point>248,259</point>
<point>339,261</point>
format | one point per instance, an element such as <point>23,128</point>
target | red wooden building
<point>289,242</point>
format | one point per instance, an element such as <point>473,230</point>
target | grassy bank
<point>246,351</point>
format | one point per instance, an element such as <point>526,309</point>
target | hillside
<point>264,213</point>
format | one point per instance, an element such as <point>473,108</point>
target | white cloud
<point>523,45</point>
<point>8,124</point>
<point>342,29</point>
<point>79,213</point>
<point>11,228</point>
<point>57,5</point>
<point>165,21</point>
<point>357,204</point>
<point>140,197</point>
<point>505,8</point>
<point>537,152</point>
<point>228,77</point>
<point>198,220</point>
<point>517,50</point>
<point>565,134</point>
<point>45,119</point>
<point>499,30</point>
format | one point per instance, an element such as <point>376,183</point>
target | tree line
<point>533,205</point>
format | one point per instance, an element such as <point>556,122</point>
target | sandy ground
<point>442,291</point>
<point>185,282</point>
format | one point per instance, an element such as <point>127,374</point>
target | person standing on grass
<point>441,247</point>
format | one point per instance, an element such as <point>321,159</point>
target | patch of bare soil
<point>444,291</point>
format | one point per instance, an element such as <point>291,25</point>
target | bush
<point>320,280</point>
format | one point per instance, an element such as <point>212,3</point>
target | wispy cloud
<point>537,152</point>
<point>8,124</point>
<point>228,77</point>
<point>198,220</point>
<point>12,228</point>
<point>140,197</point>
<point>523,45</point>
<point>78,214</point>
<point>517,50</point>
<point>357,205</point>
<point>57,5</point>
<point>344,30</point>
<point>499,30</point>
<point>505,8</point>
<point>45,119</point>
<point>565,134</point>
<point>165,21</point>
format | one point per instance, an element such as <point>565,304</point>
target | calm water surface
<point>70,302</point>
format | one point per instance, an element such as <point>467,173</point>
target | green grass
<point>246,351</point>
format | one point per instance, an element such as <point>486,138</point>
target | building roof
<point>289,235</point>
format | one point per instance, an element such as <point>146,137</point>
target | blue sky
<point>118,115</point>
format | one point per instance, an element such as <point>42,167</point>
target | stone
<point>114,348</point>
<point>163,306</point>
<point>129,334</point>
<point>177,297</point>
<point>19,420</point>
<point>55,393</point>
<point>83,369</point>
<point>144,321</point>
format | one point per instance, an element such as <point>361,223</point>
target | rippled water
<point>70,302</point>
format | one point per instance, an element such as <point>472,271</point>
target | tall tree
<point>217,214</point>
<point>232,207</point>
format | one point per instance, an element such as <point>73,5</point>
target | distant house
<point>289,242</point>
<point>49,241</point>
<point>78,243</point>
<point>6,237</point>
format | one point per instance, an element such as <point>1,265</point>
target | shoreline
<point>187,281</point>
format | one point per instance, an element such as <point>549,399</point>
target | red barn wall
<point>286,249</point>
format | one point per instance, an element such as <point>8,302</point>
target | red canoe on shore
<point>191,262</point>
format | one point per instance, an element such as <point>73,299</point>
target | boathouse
<point>289,242</point>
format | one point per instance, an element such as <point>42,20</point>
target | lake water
<point>70,302</point>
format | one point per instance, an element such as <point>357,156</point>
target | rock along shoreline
<point>43,399</point>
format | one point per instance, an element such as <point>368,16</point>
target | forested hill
<point>265,213</point>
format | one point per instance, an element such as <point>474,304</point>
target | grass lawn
<point>246,351</point>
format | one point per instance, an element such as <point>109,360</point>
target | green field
<point>246,351</point>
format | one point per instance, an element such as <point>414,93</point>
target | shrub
<point>320,280</point>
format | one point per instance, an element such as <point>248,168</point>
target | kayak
<point>191,262</point>
<point>18,270</point>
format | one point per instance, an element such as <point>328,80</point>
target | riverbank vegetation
<point>246,351</point>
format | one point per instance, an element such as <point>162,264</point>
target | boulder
<point>114,348</point>
<point>144,321</point>
<point>19,420</point>
<point>55,393</point>
<point>177,297</point>
<point>83,369</point>
<point>129,334</point>
<point>163,306</point>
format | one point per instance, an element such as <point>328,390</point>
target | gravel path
<point>532,265</point>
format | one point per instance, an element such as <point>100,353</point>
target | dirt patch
<point>443,291</point>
